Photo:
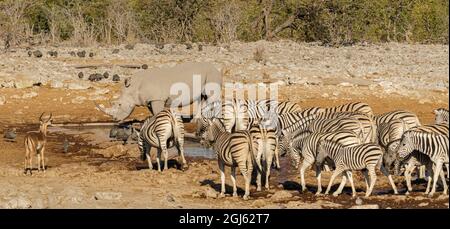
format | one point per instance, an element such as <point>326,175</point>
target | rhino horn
<point>104,110</point>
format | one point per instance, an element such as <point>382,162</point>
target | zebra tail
<point>252,154</point>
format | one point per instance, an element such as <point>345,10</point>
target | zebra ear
<point>435,111</point>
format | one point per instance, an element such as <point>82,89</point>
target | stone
<point>200,47</point>
<point>106,75</point>
<point>19,202</point>
<point>72,53</point>
<point>159,46</point>
<point>78,85</point>
<point>115,51</point>
<point>116,78</point>
<point>91,54</point>
<point>170,198</point>
<point>366,206</point>
<point>108,195</point>
<point>144,66</point>
<point>95,77</point>
<point>29,95</point>
<point>80,75</point>
<point>112,151</point>
<point>2,100</point>
<point>358,201</point>
<point>37,54</point>
<point>81,54</point>
<point>259,203</point>
<point>210,193</point>
<point>129,46</point>
<point>56,84</point>
<point>188,46</point>
<point>281,195</point>
<point>23,83</point>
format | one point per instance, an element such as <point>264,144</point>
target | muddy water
<point>100,134</point>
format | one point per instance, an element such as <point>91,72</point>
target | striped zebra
<point>433,145</point>
<point>432,128</point>
<point>329,125</point>
<point>161,131</point>
<point>410,119</point>
<point>265,143</point>
<point>417,159</point>
<point>366,157</point>
<point>307,146</point>
<point>356,107</point>
<point>441,116</point>
<point>233,150</point>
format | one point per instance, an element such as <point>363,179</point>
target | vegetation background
<point>331,22</point>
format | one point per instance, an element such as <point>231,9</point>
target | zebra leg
<point>409,168</point>
<point>350,178</point>
<point>38,162</point>
<point>444,183</point>
<point>305,165</point>
<point>373,179</point>
<point>43,158</point>
<point>166,156</point>
<point>437,170</point>
<point>422,172</point>
<point>158,160</point>
<point>429,168</point>
<point>268,166</point>
<point>233,180</point>
<point>258,161</point>
<point>222,178</point>
<point>341,186</point>
<point>248,177</point>
<point>149,160</point>
<point>319,180</point>
<point>366,178</point>
<point>389,176</point>
<point>336,173</point>
<point>448,172</point>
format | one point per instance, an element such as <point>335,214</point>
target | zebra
<point>433,145</point>
<point>307,146</point>
<point>233,150</point>
<point>410,119</point>
<point>441,115</point>
<point>358,107</point>
<point>161,131</point>
<point>365,157</point>
<point>414,160</point>
<point>265,143</point>
<point>431,128</point>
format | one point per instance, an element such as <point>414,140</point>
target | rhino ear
<point>127,82</point>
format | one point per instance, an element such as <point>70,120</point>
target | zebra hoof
<point>335,194</point>
<point>245,197</point>
<point>431,194</point>
<point>222,195</point>
<point>235,194</point>
<point>258,189</point>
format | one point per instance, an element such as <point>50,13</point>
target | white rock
<point>367,206</point>
<point>29,95</point>
<point>281,195</point>
<point>24,83</point>
<point>78,99</point>
<point>108,195</point>
<point>78,85</point>
<point>18,202</point>
<point>56,84</point>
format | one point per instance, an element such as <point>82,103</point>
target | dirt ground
<point>83,178</point>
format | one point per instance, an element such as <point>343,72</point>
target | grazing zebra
<point>441,116</point>
<point>233,150</point>
<point>161,131</point>
<point>307,146</point>
<point>356,107</point>
<point>265,143</point>
<point>433,145</point>
<point>361,157</point>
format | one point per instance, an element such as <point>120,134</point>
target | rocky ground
<point>96,173</point>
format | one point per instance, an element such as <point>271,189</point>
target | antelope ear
<point>127,82</point>
<point>435,111</point>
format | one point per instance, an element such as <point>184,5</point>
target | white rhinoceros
<point>160,87</point>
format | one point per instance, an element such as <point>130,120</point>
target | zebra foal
<point>365,157</point>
